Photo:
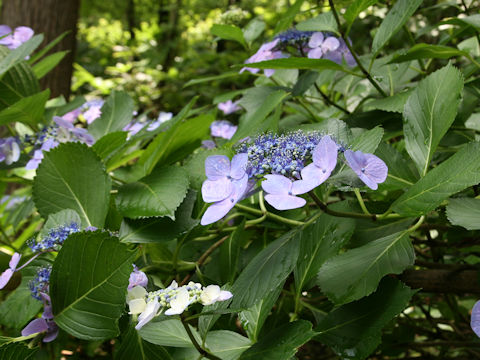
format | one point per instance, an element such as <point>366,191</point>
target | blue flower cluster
<point>39,284</point>
<point>293,37</point>
<point>55,238</point>
<point>285,154</point>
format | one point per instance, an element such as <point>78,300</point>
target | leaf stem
<point>325,208</point>
<point>347,43</point>
<point>197,346</point>
<point>330,102</point>
<point>361,202</point>
<point>275,217</point>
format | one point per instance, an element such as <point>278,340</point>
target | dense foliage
<point>274,182</point>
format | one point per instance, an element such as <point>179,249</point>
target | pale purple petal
<point>47,145</point>
<point>83,135</point>
<point>62,123</point>
<point>92,114</point>
<point>313,176</point>
<point>301,187</point>
<point>330,44</point>
<point>325,154</point>
<point>475,318</point>
<point>268,72</point>
<point>52,333</point>
<point>23,33</point>
<point>228,107</point>
<point>224,129</point>
<point>315,53</point>
<point>137,278</point>
<point>216,190</point>
<point>277,185</point>
<point>14,261</point>
<point>5,277</point>
<point>208,144</point>
<point>285,202</point>
<point>316,40</point>
<point>369,168</point>
<point>72,115</point>
<point>5,29</point>
<point>6,39</point>
<point>224,295</point>
<point>217,167</point>
<point>35,326</point>
<point>239,164</point>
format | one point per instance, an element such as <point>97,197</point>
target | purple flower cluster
<point>282,161</point>
<point>45,324</point>
<point>55,238</point>
<point>135,125</point>
<point>40,283</point>
<point>90,111</point>
<point>267,51</point>
<point>12,39</point>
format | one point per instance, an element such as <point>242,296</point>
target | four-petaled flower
<point>223,129</point>
<point>179,302</point>
<point>45,324</point>
<point>229,107</point>
<point>281,192</point>
<point>320,46</point>
<point>13,39</point>
<point>369,168</point>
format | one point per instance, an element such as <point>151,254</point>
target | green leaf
<point>356,8</point>
<point>464,212</point>
<point>160,229</point>
<point>132,346</point>
<point>401,173</point>
<point>323,22</point>
<point>28,110</point>
<point>229,254</point>
<point>44,66</point>
<point>395,103</point>
<point>333,127</point>
<point>117,112</point>
<point>253,30</point>
<point>16,351</point>
<point>20,53</point>
<point>253,318</point>
<point>357,272</point>
<point>427,51</point>
<point>88,284</point>
<point>429,112</point>
<point>453,175</point>
<point>268,269</point>
<point>45,49</point>
<point>299,63</point>
<point>368,140</point>
<point>71,176</point>
<point>229,32</point>
<point>62,217</point>
<point>158,194</point>
<point>208,79</point>
<point>354,330</point>
<point>109,144</point>
<point>401,11</point>
<point>205,322</point>
<point>320,241</point>
<point>286,20</point>
<point>168,333</point>
<point>304,82</point>
<point>253,121</point>
<point>281,343</point>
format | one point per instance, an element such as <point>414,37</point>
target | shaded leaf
<point>44,66</point>
<point>168,333</point>
<point>28,110</point>
<point>428,51</point>
<point>464,212</point>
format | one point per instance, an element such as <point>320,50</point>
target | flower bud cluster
<point>40,283</point>
<point>55,238</point>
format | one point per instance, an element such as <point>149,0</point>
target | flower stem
<point>275,217</point>
<point>197,346</point>
<point>360,201</point>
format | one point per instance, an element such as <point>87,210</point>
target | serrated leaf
<point>268,269</point>
<point>132,346</point>
<point>429,112</point>
<point>158,194</point>
<point>44,66</point>
<point>401,11</point>
<point>281,343</point>
<point>368,140</point>
<point>464,212</point>
<point>62,217</point>
<point>88,284</point>
<point>428,51</point>
<point>323,22</point>
<point>160,229</point>
<point>460,171</point>
<point>16,351</point>
<point>357,272</point>
<point>117,112</point>
<point>71,176</point>
<point>353,331</point>
<point>168,333</point>
<point>229,32</point>
<point>395,103</point>
<point>28,110</point>
<point>109,144</point>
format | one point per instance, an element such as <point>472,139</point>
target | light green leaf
<point>453,175</point>
<point>323,22</point>
<point>109,144</point>
<point>117,112</point>
<point>71,176</point>
<point>428,51</point>
<point>20,53</point>
<point>368,140</point>
<point>57,219</point>
<point>229,32</point>
<point>253,30</point>
<point>357,272</point>
<point>28,110</point>
<point>44,66</point>
<point>396,17</point>
<point>464,212</point>
<point>286,20</point>
<point>206,322</point>
<point>395,103</point>
<point>299,63</point>
<point>356,8</point>
<point>209,79</point>
<point>168,333</point>
<point>88,284</point>
<point>429,112</point>
<point>281,343</point>
<point>158,194</point>
<point>354,330</point>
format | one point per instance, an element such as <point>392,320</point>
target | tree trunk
<point>52,18</point>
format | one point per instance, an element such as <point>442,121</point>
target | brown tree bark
<point>456,281</point>
<point>52,18</point>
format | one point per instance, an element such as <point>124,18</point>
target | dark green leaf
<point>28,110</point>
<point>323,22</point>
<point>357,272</point>
<point>453,175</point>
<point>109,144</point>
<point>88,284</point>
<point>44,66</point>
<point>396,17</point>
<point>427,51</point>
<point>71,176</point>
<point>429,112</point>
<point>281,343</point>
<point>168,333</point>
<point>229,254</point>
<point>464,212</point>
<point>368,140</point>
<point>117,112</point>
<point>20,53</point>
<point>158,194</point>
<point>229,32</point>
<point>62,217</point>
<point>395,103</point>
<point>354,330</point>
<point>299,63</point>
<point>16,351</point>
<point>401,173</point>
<point>304,82</point>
